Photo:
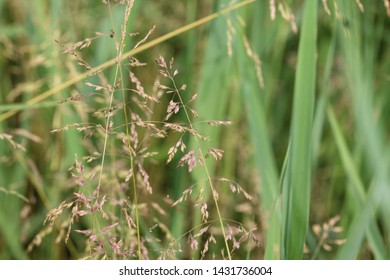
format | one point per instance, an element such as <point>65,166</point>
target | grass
<point>296,184</point>
<point>275,148</point>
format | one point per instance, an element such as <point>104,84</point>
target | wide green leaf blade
<point>296,187</point>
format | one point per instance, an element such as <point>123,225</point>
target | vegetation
<point>194,129</point>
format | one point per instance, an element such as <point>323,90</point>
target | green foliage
<point>269,141</point>
<point>296,185</point>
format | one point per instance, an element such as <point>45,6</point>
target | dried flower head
<point>327,235</point>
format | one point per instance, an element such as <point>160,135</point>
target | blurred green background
<point>305,84</point>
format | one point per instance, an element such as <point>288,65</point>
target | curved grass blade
<point>373,232</point>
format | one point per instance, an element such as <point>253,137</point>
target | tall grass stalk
<point>208,174</point>
<point>97,150</point>
<point>120,77</point>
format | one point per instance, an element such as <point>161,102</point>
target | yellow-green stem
<point>132,52</point>
<point>206,169</point>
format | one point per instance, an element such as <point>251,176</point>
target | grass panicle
<point>263,136</point>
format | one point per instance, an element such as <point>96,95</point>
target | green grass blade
<point>212,100</point>
<point>296,190</point>
<point>360,58</point>
<point>8,228</point>
<point>263,154</point>
<point>373,232</point>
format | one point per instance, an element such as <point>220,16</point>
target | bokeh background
<point>318,171</point>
